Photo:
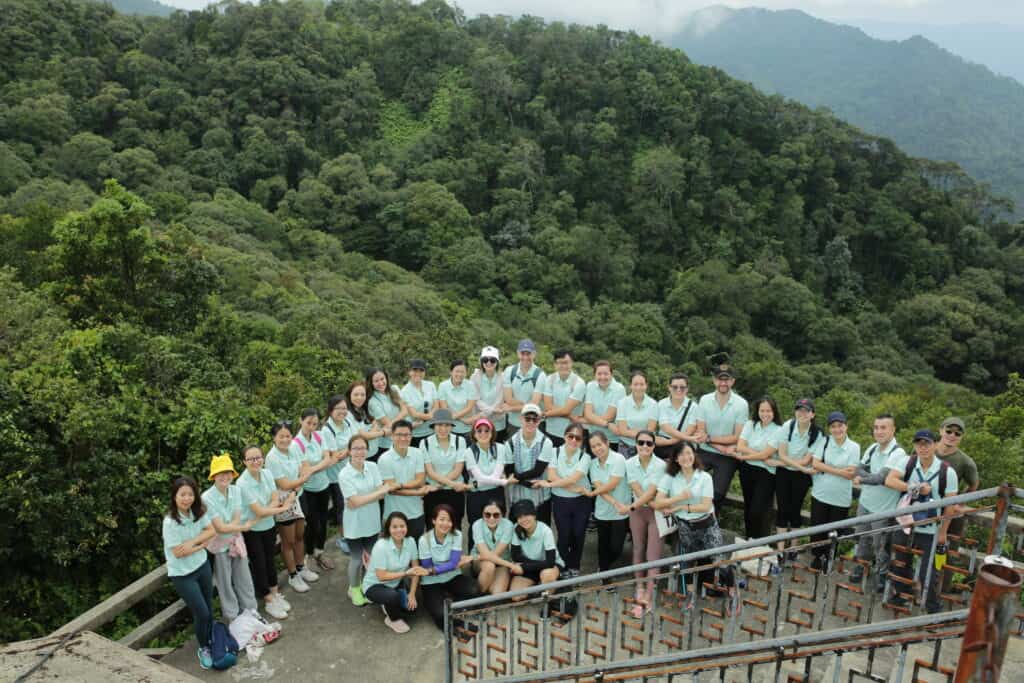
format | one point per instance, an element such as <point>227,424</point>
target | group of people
<point>518,455</point>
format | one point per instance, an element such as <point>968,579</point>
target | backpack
<point>943,473</point>
<point>531,378</point>
<point>316,436</point>
<point>812,433</point>
<point>223,647</point>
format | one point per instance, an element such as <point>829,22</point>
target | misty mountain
<point>933,103</point>
<point>146,8</point>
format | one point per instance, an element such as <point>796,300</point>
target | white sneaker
<point>279,599</point>
<point>309,576</point>
<point>398,625</point>
<point>276,610</point>
<point>297,584</point>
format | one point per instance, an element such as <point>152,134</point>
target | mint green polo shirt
<point>931,476</point>
<point>797,444</point>
<point>456,398</point>
<point>223,507</point>
<point>416,399</point>
<point>335,438</point>
<point>537,545</point>
<point>362,521</point>
<point>830,488</point>
<point>402,469</point>
<point>387,556</point>
<point>314,453</point>
<point>380,405</point>
<point>645,477</point>
<point>491,391</point>
<point>670,416</point>
<point>760,438</point>
<point>601,400</point>
<point>722,421</point>
<point>523,386</point>
<point>566,466</point>
<point>636,416</point>
<point>614,466</point>
<point>483,535</point>
<point>442,460</point>
<point>699,485</point>
<point>560,391</point>
<point>259,491</point>
<point>487,462</point>
<point>284,465</point>
<point>175,534</point>
<point>439,552</point>
<point>879,498</point>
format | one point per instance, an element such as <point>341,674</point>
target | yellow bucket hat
<point>221,463</point>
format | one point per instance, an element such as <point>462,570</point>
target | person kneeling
<point>392,561</point>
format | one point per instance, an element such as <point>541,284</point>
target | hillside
<point>932,103</point>
<point>215,220</point>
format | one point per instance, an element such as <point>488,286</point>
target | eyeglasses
<point>401,435</point>
<point>644,443</point>
<point>482,428</point>
<point>531,418</point>
<point>573,437</point>
<point>954,432</point>
<point>678,387</point>
<point>254,458</point>
<point>489,361</point>
<point>492,515</point>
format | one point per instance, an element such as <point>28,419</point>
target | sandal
<point>324,563</point>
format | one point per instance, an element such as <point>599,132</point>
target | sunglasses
<point>954,432</point>
<point>531,418</point>
<point>489,361</point>
<point>573,437</point>
<point>281,425</point>
<point>492,515</point>
<point>644,443</point>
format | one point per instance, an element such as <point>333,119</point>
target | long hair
<point>672,467</point>
<point>198,509</point>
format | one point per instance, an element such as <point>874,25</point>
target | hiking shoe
<point>308,575</point>
<point>205,658</point>
<point>398,625</point>
<point>276,610</point>
<point>355,594</point>
<point>297,584</point>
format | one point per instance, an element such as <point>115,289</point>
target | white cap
<point>530,408</point>
<point>489,352</point>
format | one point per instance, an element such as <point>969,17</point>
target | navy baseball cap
<point>924,435</point>
<point>837,417</point>
<point>526,345</point>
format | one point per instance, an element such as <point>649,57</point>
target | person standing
<point>290,471</point>
<point>677,416</point>
<point>756,449</point>
<point>948,451</point>
<point>522,383</point>
<point>881,457</point>
<point>793,478</point>
<point>835,464</point>
<point>926,478</point>
<point>611,499</point>
<point>486,461</point>
<point>643,474</point>
<point>457,396</point>
<point>316,497</point>
<point>600,402</point>
<point>385,404</point>
<point>443,454</point>
<point>403,465</point>
<point>563,392</point>
<point>570,506</point>
<point>363,424</point>
<point>723,413</point>
<point>635,413</point>
<point>335,434</point>
<point>530,452</point>
<point>420,397</point>
<point>489,389</point>
<point>231,573</point>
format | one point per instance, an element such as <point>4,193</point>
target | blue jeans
<point>196,589</point>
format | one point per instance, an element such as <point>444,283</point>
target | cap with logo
<point>806,404</point>
<point>924,435</point>
<point>489,352</point>
<point>837,417</point>
<point>526,345</point>
<point>530,409</point>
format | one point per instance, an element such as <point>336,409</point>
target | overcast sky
<point>654,16</point>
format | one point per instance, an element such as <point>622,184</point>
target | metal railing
<point>543,631</point>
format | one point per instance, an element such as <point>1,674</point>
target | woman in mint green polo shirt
<point>316,495</point>
<point>611,495</point>
<point>570,507</point>
<point>187,531</point>
<point>835,462</point>
<point>385,404</point>
<point>231,572</point>
<point>533,548</point>
<point>492,540</point>
<point>441,555</point>
<point>488,465</point>
<point>420,397</point>
<point>359,417</point>
<point>443,454</point>
<point>361,487</point>
<point>260,502</point>
<point>489,389</point>
<point>335,433</point>
<point>636,412</point>
<point>394,559</point>
<point>756,449</point>
<point>290,471</point>
<point>643,473</point>
<point>458,396</point>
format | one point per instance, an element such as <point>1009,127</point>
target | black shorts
<point>289,522</point>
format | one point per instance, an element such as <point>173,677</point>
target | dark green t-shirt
<point>963,465</point>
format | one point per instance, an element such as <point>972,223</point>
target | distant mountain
<point>931,102</point>
<point>1000,47</point>
<point>148,8</point>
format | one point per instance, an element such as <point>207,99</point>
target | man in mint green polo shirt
<point>403,465</point>
<point>723,413</point>
<point>563,392</point>
<point>523,383</point>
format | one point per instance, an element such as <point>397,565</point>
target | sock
<point>299,568</point>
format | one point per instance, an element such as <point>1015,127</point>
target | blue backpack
<point>223,647</point>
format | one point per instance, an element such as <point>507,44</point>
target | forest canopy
<point>213,220</point>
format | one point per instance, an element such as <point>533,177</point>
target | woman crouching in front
<point>394,559</point>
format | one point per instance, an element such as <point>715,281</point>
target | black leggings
<point>823,513</point>
<point>758,486</point>
<point>338,501</point>
<point>722,469</point>
<point>390,598</point>
<point>315,505</point>
<point>459,587</point>
<point>262,549</point>
<point>791,488</point>
<point>571,515</point>
<point>611,536</point>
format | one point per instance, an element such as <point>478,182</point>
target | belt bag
<point>699,524</point>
